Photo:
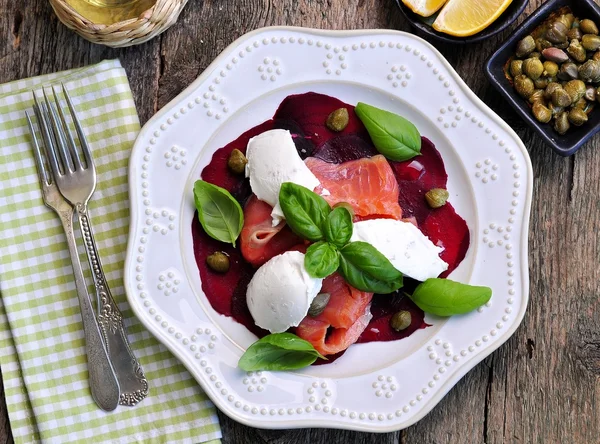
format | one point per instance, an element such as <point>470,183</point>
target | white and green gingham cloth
<point>42,354</point>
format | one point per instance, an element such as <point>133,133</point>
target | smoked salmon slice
<point>368,185</point>
<point>259,240</point>
<point>342,322</point>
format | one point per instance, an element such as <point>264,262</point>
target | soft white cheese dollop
<point>273,160</point>
<point>281,291</point>
<point>409,250</point>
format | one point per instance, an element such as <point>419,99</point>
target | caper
<point>537,96</point>
<point>555,55</point>
<point>581,103</point>
<point>401,320</point>
<point>576,51</point>
<point>541,83</point>
<point>596,56</point>
<point>575,89</point>
<point>524,86</point>
<point>535,55</point>
<point>541,112</point>
<point>550,69</point>
<point>437,197</point>
<point>533,68</point>
<point>318,304</point>
<point>218,261</point>
<point>561,98</point>
<point>552,86</point>
<point>568,71</point>
<point>555,110</point>
<point>574,33</point>
<point>561,123</point>
<point>338,120</point>
<point>590,93</point>
<point>516,68</point>
<point>590,71</point>
<point>557,32</point>
<point>525,46</point>
<point>237,162</point>
<point>591,42</point>
<point>577,117</point>
<point>541,44</point>
<point>567,20</point>
<point>588,27</point>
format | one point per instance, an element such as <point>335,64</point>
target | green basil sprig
<point>444,297</point>
<point>366,269</point>
<point>220,214</point>
<point>322,259</point>
<point>393,136</point>
<point>279,351</point>
<point>305,211</point>
<point>338,228</point>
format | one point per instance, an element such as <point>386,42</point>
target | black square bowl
<point>576,136</point>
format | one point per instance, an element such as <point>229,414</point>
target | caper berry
<point>537,96</point>
<point>318,304</point>
<point>516,68</point>
<point>561,98</point>
<point>555,110</point>
<point>555,55</point>
<point>581,104</point>
<point>557,32</point>
<point>561,123</point>
<point>576,51</point>
<point>401,320</point>
<point>437,197</point>
<point>574,33</point>
<point>550,69</point>
<point>338,120</point>
<point>591,42</point>
<point>218,261</point>
<point>524,86</point>
<point>568,71</point>
<point>541,44</point>
<point>575,89</point>
<point>525,47</point>
<point>590,93</point>
<point>541,83</point>
<point>237,162</point>
<point>541,112</point>
<point>588,27</point>
<point>577,117</point>
<point>552,86</point>
<point>590,71</point>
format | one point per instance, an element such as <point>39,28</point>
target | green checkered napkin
<point>42,354</point>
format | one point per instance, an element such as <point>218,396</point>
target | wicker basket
<point>134,31</point>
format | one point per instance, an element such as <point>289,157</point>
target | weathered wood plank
<point>543,385</point>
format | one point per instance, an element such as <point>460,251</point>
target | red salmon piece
<point>342,322</point>
<point>368,185</point>
<point>259,240</point>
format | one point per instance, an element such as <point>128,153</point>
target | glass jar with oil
<point>109,12</point>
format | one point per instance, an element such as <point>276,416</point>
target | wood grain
<point>543,385</point>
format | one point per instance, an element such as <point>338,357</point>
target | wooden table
<point>543,385</point>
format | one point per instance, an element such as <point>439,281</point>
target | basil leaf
<point>444,297</point>
<point>393,136</point>
<point>220,214</point>
<point>366,269</point>
<point>279,351</point>
<point>338,229</point>
<point>305,211</point>
<point>321,259</point>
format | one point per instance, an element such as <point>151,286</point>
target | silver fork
<point>76,181</point>
<point>103,382</point>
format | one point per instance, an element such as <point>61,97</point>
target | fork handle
<point>133,382</point>
<point>103,382</point>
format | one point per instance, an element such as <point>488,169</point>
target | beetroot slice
<point>304,115</point>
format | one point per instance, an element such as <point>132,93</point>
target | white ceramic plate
<point>381,386</point>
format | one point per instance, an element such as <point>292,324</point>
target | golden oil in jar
<point>108,12</point>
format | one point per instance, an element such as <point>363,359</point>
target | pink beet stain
<point>304,115</point>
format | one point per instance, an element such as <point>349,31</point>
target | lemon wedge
<point>462,18</point>
<point>424,8</point>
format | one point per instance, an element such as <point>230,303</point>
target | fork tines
<point>54,125</point>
